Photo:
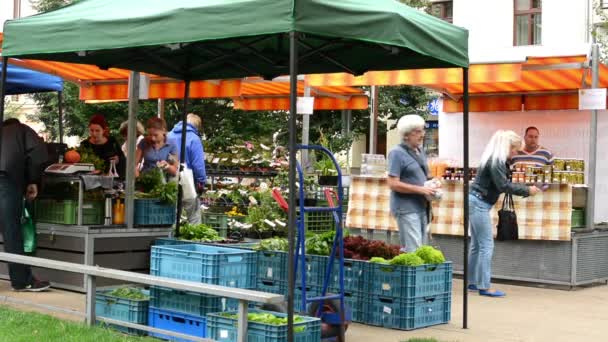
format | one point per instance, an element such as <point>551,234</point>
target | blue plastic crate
<point>316,265</point>
<point>272,286</point>
<point>224,329</point>
<point>169,242</point>
<point>153,212</point>
<point>173,241</point>
<point>183,301</point>
<point>355,301</point>
<point>409,314</point>
<point>207,264</point>
<point>176,322</point>
<point>272,265</point>
<point>356,274</point>
<point>311,291</point>
<point>409,282</point>
<point>122,309</point>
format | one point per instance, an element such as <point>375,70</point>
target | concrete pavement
<point>527,314</point>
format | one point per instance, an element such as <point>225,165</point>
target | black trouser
<point>11,200</point>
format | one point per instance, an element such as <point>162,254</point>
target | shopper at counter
<point>533,153</point>
<point>491,181</point>
<point>407,173</point>
<point>155,150</point>
<point>194,159</point>
<point>23,154</point>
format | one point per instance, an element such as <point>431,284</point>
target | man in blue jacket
<point>195,160</point>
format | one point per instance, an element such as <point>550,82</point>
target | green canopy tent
<point>211,39</point>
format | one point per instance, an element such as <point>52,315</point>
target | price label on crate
<point>388,310</point>
<point>386,287</point>
<point>269,273</point>
<point>223,333</point>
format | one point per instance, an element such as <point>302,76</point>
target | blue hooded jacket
<point>195,155</point>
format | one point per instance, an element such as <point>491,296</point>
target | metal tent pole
<point>182,154</point>
<point>293,98</point>
<point>590,214</point>
<point>305,135</point>
<point>2,93</point>
<point>131,139</point>
<point>465,133</point>
<point>60,110</point>
<point>373,121</point>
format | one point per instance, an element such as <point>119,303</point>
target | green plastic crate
<point>219,222</point>
<point>319,221</point>
<point>66,211</point>
<point>578,218</point>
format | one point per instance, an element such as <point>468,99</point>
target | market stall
<point>242,41</point>
<point>555,217</point>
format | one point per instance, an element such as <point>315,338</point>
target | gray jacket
<point>23,154</point>
<point>493,180</point>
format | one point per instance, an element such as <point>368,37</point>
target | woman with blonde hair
<point>491,181</point>
<point>155,150</point>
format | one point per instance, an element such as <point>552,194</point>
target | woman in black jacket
<point>491,181</point>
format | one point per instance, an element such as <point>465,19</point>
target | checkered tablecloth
<point>546,216</point>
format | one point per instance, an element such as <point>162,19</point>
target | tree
<point>599,30</point>
<point>50,5</point>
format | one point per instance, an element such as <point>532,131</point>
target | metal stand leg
<point>242,328</point>
<point>90,298</point>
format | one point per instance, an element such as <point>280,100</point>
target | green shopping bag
<point>28,227</point>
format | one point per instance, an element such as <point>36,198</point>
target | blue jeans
<point>413,231</point>
<point>10,225</point>
<point>482,243</point>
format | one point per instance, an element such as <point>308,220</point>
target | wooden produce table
<point>108,246</point>
<point>546,216</point>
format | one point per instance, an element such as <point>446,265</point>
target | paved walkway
<point>528,314</point>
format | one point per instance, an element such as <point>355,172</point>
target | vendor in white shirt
<point>533,154</point>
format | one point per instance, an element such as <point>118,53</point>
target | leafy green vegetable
<point>199,232</point>
<point>407,259</point>
<point>320,244</point>
<point>88,156</point>
<point>264,317</point>
<point>378,260</point>
<point>273,244</point>
<point>166,193</point>
<point>149,180</point>
<point>132,293</point>
<point>430,255</point>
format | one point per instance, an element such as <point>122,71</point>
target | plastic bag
<point>28,228</point>
<point>186,180</point>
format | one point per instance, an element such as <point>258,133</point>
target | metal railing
<point>92,272</point>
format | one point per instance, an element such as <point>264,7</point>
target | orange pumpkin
<point>71,156</point>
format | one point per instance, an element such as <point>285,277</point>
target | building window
<point>528,22</point>
<point>442,10</point>
<point>604,4</point>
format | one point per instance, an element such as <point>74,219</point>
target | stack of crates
<point>183,311</point>
<point>272,272</point>
<point>356,273</point>
<point>408,298</point>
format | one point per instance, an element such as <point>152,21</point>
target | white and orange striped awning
<point>249,93</point>
<point>546,83</point>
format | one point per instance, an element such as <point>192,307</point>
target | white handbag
<point>186,180</point>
